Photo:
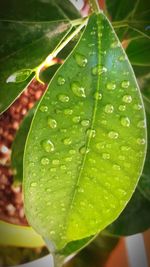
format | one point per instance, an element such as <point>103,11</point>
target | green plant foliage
<point>85,149</point>
<point>138,52</point>
<point>18,146</point>
<point>19,42</point>
<point>135,217</point>
<point>37,10</point>
<point>21,236</point>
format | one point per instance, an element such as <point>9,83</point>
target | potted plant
<point>81,150</point>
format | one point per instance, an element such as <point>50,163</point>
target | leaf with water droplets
<point>99,149</point>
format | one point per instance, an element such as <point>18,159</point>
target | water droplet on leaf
<point>78,90</point>
<point>44,161</point>
<point>125,84</point>
<point>81,60</point>
<point>109,108</point>
<point>44,108</point>
<point>61,80</point>
<point>52,123</point>
<point>48,145</point>
<point>127,98</point>
<point>63,98</point>
<point>125,121</point>
<point>113,135</point>
<point>111,86</point>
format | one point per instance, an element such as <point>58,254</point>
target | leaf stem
<point>48,61</point>
<point>94,6</point>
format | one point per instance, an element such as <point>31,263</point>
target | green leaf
<point>85,151</point>
<point>137,9</point>
<point>144,183</point>
<point>24,46</point>
<point>138,52</point>
<point>19,76</point>
<point>134,219</point>
<point>19,236</point>
<point>37,10</point>
<point>18,146</point>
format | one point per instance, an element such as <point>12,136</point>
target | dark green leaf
<point>37,10</point>
<point>24,46</point>
<point>134,219</point>
<point>85,150</point>
<point>138,52</point>
<point>18,146</point>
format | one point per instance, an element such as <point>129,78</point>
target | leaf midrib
<point>92,124</point>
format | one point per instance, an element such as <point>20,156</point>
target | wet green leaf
<point>85,151</point>
<point>134,219</point>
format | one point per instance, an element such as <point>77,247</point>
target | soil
<point>11,197</point>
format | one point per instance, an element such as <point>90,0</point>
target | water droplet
<point>48,145</point>
<point>125,148</point>
<point>106,156</point>
<point>127,98</point>
<point>76,119</point>
<point>137,106</point>
<point>68,111</point>
<point>141,141</point>
<point>63,167</point>
<point>91,133</point>
<point>80,190</point>
<point>111,86</point>
<point>68,160</point>
<point>92,32</point>
<point>122,58</point>
<point>44,161</point>
<point>141,124</point>
<point>125,121</point>
<point>52,123</point>
<point>63,98</point>
<point>98,96</point>
<point>116,167</point>
<point>81,60</point>
<point>83,150</point>
<point>114,44</point>
<point>33,184</point>
<point>113,135</point>
<point>85,123</point>
<point>109,108</point>
<point>122,107</point>
<point>98,70</point>
<point>67,141</point>
<point>125,84</point>
<point>55,161</point>
<point>100,146</point>
<point>72,152</point>
<point>44,108</point>
<point>78,90</point>
<point>61,80</point>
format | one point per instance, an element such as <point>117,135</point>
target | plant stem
<point>48,60</point>
<point>94,6</point>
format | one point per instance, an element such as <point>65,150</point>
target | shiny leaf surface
<point>85,150</point>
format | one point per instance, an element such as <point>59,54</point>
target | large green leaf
<point>134,219</point>
<point>85,149</point>
<point>37,10</point>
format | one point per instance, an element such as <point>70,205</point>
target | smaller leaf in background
<point>19,236</point>
<point>134,219</point>
<point>19,76</point>
<point>138,52</point>
<point>18,146</point>
<point>30,45</point>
